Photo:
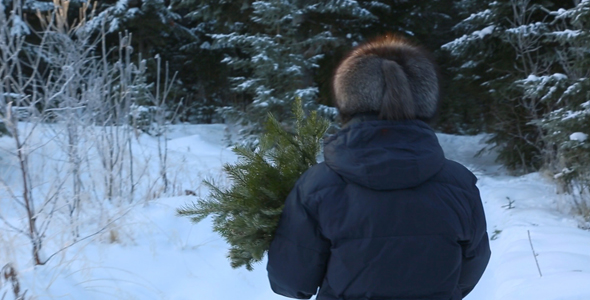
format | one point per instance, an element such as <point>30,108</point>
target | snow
<point>206,45</point>
<point>576,13</point>
<point>378,5</point>
<point>294,70</point>
<point>527,30</point>
<point>572,89</point>
<point>567,34</point>
<point>560,12</point>
<point>578,136</point>
<point>459,44</point>
<point>563,172</point>
<point>542,80</point>
<point>150,253</point>
<point>576,114</point>
<point>486,31</point>
<point>469,64</point>
<point>226,60</point>
<point>114,25</point>
<point>306,93</point>
<point>132,13</point>
<point>121,6</point>
<point>482,15</point>
<point>343,6</point>
<point>13,95</point>
<point>246,84</point>
<point>560,245</point>
<point>261,57</point>
<point>544,86</point>
<point>563,249</point>
<point>38,5</point>
<point>19,27</point>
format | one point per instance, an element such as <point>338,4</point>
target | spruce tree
<point>500,54</point>
<point>203,79</point>
<point>277,53</point>
<point>246,214</point>
<point>532,60</point>
<point>568,124</point>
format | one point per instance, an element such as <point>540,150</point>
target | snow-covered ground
<point>157,255</point>
<point>516,207</point>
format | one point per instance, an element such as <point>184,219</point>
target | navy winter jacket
<point>386,216</point>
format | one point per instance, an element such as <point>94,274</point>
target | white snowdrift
<point>160,256</point>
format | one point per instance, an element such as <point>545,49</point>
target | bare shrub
<point>70,109</point>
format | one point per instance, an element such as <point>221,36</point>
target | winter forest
<point>114,114</point>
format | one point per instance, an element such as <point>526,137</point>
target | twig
<point>88,236</point>
<point>509,205</point>
<point>534,254</point>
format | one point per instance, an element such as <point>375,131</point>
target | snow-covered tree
<point>568,126</point>
<point>150,21</point>
<point>310,35</point>
<point>503,52</point>
<point>532,59</point>
<point>277,53</point>
<point>204,80</point>
<point>429,22</point>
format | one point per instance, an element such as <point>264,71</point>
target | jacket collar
<point>361,117</point>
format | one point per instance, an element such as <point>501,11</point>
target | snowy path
<point>563,249</point>
<point>161,256</point>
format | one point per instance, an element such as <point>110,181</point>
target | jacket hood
<point>385,155</point>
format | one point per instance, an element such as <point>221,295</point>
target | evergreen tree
<point>202,77</point>
<point>278,51</point>
<point>151,23</point>
<point>568,125</point>
<point>502,52</point>
<point>247,213</point>
<point>428,22</point>
<point>532,59</point>
<point>306,38</point>
<point>472,54</point>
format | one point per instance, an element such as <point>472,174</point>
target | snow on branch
<point>568,33</point>
<point>474,20</point>
<point>577,114</point>
<point>578,136</point>
<point>528,30</point>
<point>576,14</point>
<point>344,6</point>
<point>458,45</point>
<point>19,27</point>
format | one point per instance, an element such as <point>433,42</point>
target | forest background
<point>516,69</point>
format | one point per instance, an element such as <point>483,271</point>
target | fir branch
<point>247,213</point>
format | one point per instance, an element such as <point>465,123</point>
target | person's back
<point>386,216</point>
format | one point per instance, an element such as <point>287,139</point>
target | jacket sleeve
<point>298,255</point>
<point>476,252</point>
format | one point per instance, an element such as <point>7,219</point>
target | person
<point>385,216</point>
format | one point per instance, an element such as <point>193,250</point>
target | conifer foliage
<point>520,54</point>
<point>530,60</point>
<point>278,52</point>
<point>247,213</point>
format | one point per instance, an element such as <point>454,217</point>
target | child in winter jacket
<point>386,215</point>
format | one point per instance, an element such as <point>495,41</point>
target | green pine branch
<point>246,213</point>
